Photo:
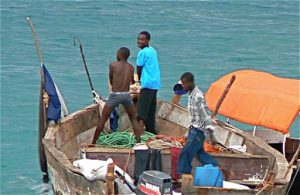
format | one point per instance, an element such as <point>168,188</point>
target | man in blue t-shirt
<point>149,75</point>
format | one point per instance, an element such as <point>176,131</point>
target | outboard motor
<point>155,183</point>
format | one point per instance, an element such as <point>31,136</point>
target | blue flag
<point>54,109</point>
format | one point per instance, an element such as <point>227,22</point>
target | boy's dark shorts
<point>116,98</point>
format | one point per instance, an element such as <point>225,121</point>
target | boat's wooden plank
<point>171,129</point>
<point>195,190</point>
<point>235,139</point>
<point>77,124</point>
<point>174,114</point>
<point>71,148</point>
<point>189,188</point>
<point>268,135</point>
<point>221,134</point>
<point>291,147</point>
<point>99,149</point>
<point>86,137</point>
<point>187,180</point>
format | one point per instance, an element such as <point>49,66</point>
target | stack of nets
<point>122,139</point>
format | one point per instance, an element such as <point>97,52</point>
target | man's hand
<point>186,134</point>
<point>209,134</point>
<point>46,98</point>
<point>135,88</point>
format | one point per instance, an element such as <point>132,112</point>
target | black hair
<point>188,76</point>
<point>146,33</point>
<point>125,52</point>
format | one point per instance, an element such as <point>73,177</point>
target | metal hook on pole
<point>78,40</point>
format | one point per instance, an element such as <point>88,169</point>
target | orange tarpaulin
<point>258,98</point>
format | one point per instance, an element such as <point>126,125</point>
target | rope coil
<point>122,139</point>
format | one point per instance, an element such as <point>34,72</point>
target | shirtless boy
<point>121,75</point>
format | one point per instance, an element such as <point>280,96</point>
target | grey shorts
<point>116,98</point>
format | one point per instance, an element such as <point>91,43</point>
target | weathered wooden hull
<point>66,180</point>
<point>63,142</point>
<point>223,191</point>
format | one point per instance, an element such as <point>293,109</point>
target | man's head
<point>143,39</point>
<point>187,80</point>
<point>123,53</point>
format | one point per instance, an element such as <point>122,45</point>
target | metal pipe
<point>254,130</point>
<point>283,144</point>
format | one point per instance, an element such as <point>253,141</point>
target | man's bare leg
<point>105,114</point>
<point>141,125</point>
<point>135,125</point>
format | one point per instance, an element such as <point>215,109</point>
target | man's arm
<point>204,109</point>
<point>139,71</point>
<point>208,123</point>
<point>110,74</point>
<point>176,99</point>
<point>140,62</point>
<point>132,75</point>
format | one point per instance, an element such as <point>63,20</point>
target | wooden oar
<point>223,96</point>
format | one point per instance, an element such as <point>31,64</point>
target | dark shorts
<point>116,98</point>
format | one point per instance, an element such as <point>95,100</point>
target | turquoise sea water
<point>209,38</point>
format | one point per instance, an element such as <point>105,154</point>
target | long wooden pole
<point>223,96</point>
<point>43,122</point>
<point>35,39</point>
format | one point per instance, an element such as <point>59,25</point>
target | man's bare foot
<point>138,139</point>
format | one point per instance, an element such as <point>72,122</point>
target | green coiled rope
<point>121,139</point>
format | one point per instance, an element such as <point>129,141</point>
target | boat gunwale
<point>97,148</point>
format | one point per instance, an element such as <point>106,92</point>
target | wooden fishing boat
<point>64,143</point>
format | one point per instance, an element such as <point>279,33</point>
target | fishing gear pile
<point>122,139</point>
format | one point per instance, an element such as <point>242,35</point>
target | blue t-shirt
<point>147,58</point>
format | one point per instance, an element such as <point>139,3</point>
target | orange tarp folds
<point>258,98</point>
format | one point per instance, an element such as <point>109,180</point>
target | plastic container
<point>208,176</point>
